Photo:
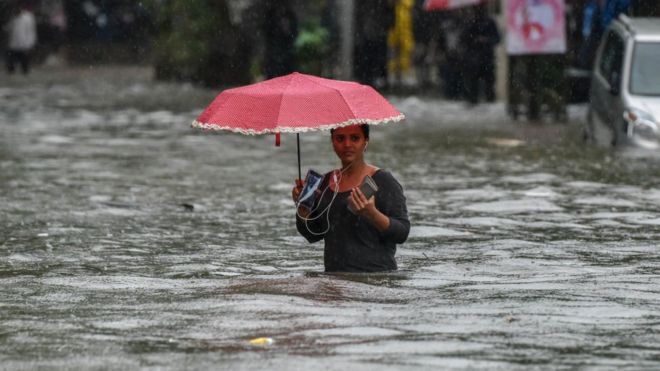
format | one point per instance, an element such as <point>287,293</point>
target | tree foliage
<point>196,41</point>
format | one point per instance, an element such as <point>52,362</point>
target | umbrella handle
<point>298,142</point>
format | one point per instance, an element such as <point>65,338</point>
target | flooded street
<point>130,240</point>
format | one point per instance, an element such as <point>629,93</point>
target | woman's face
<point>349,143</point>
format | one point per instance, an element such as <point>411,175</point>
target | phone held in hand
<point>368,188</point>
<point>311,190</point>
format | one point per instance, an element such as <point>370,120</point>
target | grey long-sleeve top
<point>352,244</point>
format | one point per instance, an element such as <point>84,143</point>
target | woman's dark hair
<point>365,130</point>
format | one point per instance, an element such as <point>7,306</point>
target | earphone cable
<point>326,210</point>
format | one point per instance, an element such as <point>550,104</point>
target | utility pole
<point>347,37</point>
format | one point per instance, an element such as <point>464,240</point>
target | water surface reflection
<point>129,239</point>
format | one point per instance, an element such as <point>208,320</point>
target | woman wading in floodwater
<point>364,241</point>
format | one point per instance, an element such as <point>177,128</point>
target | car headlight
<point>641,124</point>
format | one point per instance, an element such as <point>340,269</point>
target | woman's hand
<point>295,193</point>
<point>367,208</point>
<point>362,205</point>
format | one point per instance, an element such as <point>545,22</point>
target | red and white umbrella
<point>296,103</point>
<point>430,5</point>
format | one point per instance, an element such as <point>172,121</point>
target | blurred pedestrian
<point>400,39</point>
<point>329,21</point>
<point>426,32</point>
<point>22,32</point>
<point>451,53</point>
<point>52,32</point>
<point>374,18</point>
<point>280,30</point>
<point>480,38</point>
<point>597,16</point>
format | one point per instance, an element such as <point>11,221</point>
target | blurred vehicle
<point>624,101</point>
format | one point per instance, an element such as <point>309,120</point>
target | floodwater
<point>130,240</point>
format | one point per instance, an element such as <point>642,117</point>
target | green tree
<point>196,41</point>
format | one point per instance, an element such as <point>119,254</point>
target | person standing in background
<point>280,30</point>
<point>451,53</point>
<point>22,30</point>
<point>426,33</point>
<point>400,40</point>
<point>597,16</point>
<point>329,21</point>
<point>480,38</point>
<point>373,20</point>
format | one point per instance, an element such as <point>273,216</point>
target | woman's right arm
<point>305,228</point>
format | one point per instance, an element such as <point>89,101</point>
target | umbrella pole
<point>298,141</point>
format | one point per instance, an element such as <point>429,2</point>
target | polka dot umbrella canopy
<point>296,103</point>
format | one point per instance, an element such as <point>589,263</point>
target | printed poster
<point>535,27</point>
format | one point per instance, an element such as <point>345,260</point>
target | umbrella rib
<point>277,123</point>
<point>346,102</point>
<point>319,84</point>
<point>355,119</point>
<point>338,91</point>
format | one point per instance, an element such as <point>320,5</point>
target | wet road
<point>129,240</point>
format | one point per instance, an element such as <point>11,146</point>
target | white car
<point>624,101</point>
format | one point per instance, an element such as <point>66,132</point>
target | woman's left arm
<point>367,209</point>
<point>392,222</point>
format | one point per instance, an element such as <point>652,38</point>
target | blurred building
<point>88,30</point>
